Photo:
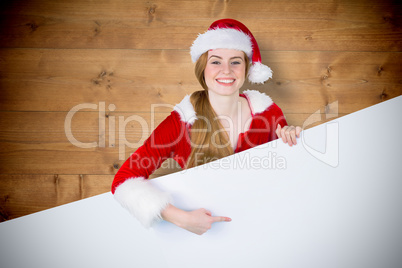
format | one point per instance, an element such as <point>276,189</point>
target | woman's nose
<point>226,68</point>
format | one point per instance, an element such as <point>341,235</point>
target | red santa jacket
<point>171,140</point>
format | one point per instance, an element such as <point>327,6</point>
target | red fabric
<point>171,140</point>
<point>234,24</point>
<point>262,128</point>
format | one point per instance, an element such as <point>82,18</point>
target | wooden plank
<point>21,195</point>
<point>36,143</point>
<point>65,158</point>
<point>277,25</point>
<point>25,129</point>
<point>88,76</point>
<point>34,79</point>
<point>25,194</point>
<point>49,127</point>
<point>53,127</point>
<point>169,9</point>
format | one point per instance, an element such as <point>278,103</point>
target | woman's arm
<point>131,187</point>
<point>146,203</point>
<point>197,221</point>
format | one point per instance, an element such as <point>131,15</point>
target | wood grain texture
<point>38,143</point>
<point>117,68</point>
<point>278,25</point>
<point>134,80</point>
<point>24,194</point>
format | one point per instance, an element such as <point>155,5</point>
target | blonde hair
<point>209,140</point>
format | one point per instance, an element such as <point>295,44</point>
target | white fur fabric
<point>259,73</point>
<point>142,200</point>
<point>221,38</point>
<point>259,101</point>
<point>186,110</point>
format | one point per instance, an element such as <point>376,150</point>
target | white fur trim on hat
<point>186,110</point>
<point>221,38</point>
<point>259,101</point>
<point>143,200</point>
<point>259,73</point>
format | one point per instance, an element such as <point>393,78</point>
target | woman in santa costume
<point>210,124</point>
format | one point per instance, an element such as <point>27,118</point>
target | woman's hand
<point>288,134</point>
<point>200,221</point>
<point>197,221</point>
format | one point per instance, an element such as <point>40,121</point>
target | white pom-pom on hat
<point>232,34</point>
<point>259,73</point>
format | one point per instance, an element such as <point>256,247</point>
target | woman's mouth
<point>226,82</point>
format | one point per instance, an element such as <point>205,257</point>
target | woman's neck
<point>225,105</point>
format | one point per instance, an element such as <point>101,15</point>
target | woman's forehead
<point>225,52</point>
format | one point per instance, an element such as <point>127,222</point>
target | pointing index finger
<point>220,219</point>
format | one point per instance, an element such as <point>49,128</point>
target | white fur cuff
<point>142,200</point>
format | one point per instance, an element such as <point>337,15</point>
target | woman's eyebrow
<point>215,56</point>
<point>236,57</point>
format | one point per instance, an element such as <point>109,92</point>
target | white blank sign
<point>334,200</point>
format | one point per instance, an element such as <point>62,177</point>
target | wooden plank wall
<point>82,83</point>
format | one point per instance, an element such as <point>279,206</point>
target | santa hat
<point>232,34</point>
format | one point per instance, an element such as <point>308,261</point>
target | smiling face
<point>225,71</point>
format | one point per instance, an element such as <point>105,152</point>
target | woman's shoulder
<point>185,111</point>
<point>182,116</point>
<point>258,101</point>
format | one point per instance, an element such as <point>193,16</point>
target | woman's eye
<point>215,62</point>
<point>236,62</point>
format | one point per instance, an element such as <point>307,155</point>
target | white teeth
<point>226,81</point>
